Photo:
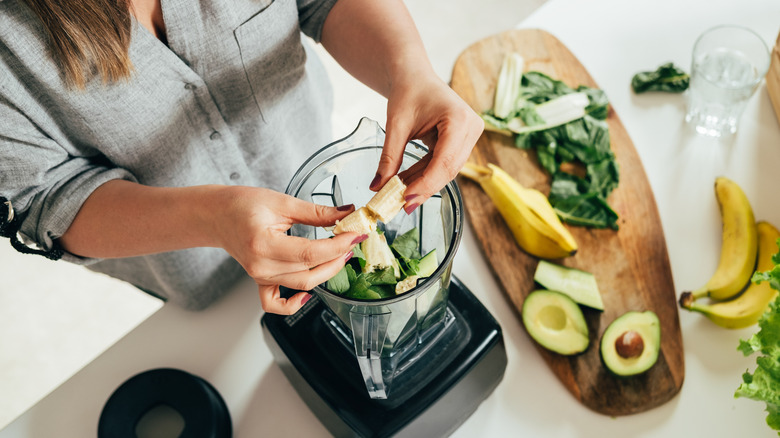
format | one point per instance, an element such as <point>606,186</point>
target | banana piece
<point>378,254</point>
<point>360,221</point>
<point>406,284</point>
<point>386,203</point>
<point>529,215</point>
<point>744,310</point>
<point>739,248</point>
<point>383,206</point>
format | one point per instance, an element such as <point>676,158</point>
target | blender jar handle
<point>368,332</point>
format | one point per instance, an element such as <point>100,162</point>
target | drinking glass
<point>729,63</point>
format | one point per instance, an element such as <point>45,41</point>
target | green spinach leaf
<point>667,78</point>
<point>585,141</point>
<point>406,244</point>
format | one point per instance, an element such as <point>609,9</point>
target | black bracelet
<point>9,227</point>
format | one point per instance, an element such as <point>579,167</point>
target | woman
<point>149,139</point>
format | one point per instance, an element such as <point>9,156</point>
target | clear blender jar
<point>388,334</point>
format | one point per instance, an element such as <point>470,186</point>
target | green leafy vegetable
<point>764,383</point>
<point>384,276</point>
<point>667,78</point>
<point>565,125</point>
<point>406,244</point>
<point>340,282</point>
<point>364,279</point>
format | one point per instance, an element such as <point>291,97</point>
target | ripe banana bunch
<point>744,310</point>
<point>738,250</point>
<point>534,224</point>
<point>383,206</point>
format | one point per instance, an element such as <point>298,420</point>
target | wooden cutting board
<point>631,264</point>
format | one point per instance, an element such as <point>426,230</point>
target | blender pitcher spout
<point>368,333</point>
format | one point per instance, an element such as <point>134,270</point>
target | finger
<point>309,213</point>
<point>416,170</point>
<point>449,155</point>
<point>398,132</point>
<point>267,270</point>
<point>309,279</point>
<point>310,253</point>
<point>272,302</point>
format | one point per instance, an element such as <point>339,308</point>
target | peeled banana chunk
<point>383,207</point>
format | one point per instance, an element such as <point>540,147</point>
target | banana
<point>383,206</point>
<point>386,203</point>
<point>744,310</point>
<point>378,254</point>
<point>738,250</point>
<point>529,215</point>
<point>360,221</point>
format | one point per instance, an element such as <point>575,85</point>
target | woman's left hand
<point>425,108</point>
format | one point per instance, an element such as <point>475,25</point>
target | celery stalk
<point>508,85</point>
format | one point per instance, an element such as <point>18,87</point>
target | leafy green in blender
<point>381,270</point>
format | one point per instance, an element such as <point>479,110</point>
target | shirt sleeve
<point>45,184</point>
<point>312,14</point>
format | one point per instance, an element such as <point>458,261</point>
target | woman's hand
<point>425,108</point>
<point>377,42</point>
<point>256,236</point>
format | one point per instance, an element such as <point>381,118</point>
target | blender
<point>414,364</point>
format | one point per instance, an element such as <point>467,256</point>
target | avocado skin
<point>648,326</point>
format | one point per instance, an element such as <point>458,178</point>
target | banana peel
<point>529,215</point>
<point>744,310</point>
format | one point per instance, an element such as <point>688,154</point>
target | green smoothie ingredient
<point>556,322</point>
<point>567,128</point>
<point>381,270</point>
<point>630,344</point>
<point>579,285</point>
<point>667,78</point>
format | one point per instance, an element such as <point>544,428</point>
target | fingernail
<point>408,198</point>
<point>375,182</point>
<point>305,299</point>
<point>348,256</point>
<point>346,207</point>
<point>359,239</point>
<point>411,208</point>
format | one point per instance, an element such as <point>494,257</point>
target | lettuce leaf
<point>764,383</point>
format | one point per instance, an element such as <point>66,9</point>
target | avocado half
<point>630,344</point>
<point>555,321</point>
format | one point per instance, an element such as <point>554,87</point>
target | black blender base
<point>433,399</point>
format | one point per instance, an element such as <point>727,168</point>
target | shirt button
<point>215,135</point>
<point>235,175</point>
<point>189,86</point>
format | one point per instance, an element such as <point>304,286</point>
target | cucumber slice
<point>579,285</point>
<point>428,264</point>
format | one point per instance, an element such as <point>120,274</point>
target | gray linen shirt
<point>235,98</point>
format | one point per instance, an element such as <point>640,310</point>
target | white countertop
<point>613,39</point>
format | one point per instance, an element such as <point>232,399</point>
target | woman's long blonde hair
<point>87,37</point>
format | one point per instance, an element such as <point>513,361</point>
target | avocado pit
<point>629,344</point>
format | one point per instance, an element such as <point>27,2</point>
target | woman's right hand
<point>253,229</point>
